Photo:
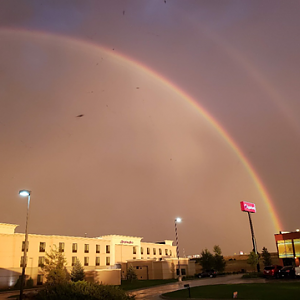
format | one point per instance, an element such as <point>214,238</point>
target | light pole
<point>177,220</point>
<point>24,193</point>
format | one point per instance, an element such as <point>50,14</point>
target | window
<point>97,261</point>
<point>154,251</point>
<point>97,248</point>
<point>107,261</point>
<point>142,250</point>
<point>134,250</point>
<point>74,247</point>
<point>86,261</point>
<point>22,261</point>
<point>86,248</point>
<point>40,279</point>
<point>41,261</point>
<point>183,272</point>
<point>170,252</point>
<point>74,259</point>
<point>166,251</point>
<point>107,248</point>
<point>61,247</point>
<point>23,246</point>
<point>42,247</point>
<point>148,250</point>
<point>160,252</point>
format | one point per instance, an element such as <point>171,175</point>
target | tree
<point>206,260</point>
<point>253,259</point>
<point>267,261</point>
<point>219,261</point>
<point>55,267</point>
<point>131,275</point>
<point>77,272</point>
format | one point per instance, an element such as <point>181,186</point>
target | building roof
<point>8,228</point>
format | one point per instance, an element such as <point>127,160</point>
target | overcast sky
<point>97,118</point>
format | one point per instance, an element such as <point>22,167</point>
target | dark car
<point>287,272</point>
<point>207,273</point>
<point>272,271</point>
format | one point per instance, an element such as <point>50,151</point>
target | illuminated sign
<point>126,242</point>
<point>248,207</point>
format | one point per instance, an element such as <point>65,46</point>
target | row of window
<point>41,261</point>
<point>61,247</point>
<point>154,251</point>
<point>87,259</point>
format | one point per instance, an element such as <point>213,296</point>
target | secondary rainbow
<point>257,181</point>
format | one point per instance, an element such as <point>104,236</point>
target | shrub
<point>82,290</point>
<point>29,283</point>
<point>253,275</point>
<point>131,275</point>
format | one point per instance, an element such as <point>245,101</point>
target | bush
<point>29,283</point>
<point>82,290</point>
<point>131,275</point>
<point>17,285</point>
<point>253,275</point>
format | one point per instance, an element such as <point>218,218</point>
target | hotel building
<point>105,259</point>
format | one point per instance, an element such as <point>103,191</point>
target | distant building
<point>105,259</point>
<point>288,247</point>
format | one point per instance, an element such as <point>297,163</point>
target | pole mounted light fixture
<point>177,220</point>
<point>25,193</point>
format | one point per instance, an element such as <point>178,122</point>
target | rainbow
<point>257,181</point>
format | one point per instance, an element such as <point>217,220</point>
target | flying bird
<point>80,116</point>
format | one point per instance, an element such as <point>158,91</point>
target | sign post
<point>250,208</point>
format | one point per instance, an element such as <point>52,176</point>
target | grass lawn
<point>275,290</point>
<point>139,284</point>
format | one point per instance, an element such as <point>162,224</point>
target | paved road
<point>155,292</point>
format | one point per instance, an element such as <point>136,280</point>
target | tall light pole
<point>25,193</point>
<point>177,220</point>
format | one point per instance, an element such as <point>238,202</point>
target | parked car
<point>287,272</point>
<point>207,273</point>
<point>272,271</point>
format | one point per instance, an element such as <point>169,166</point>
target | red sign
<point>126,242</point>
<point>248,206</point>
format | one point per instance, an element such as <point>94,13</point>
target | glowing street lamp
<point>177,220</point>
<point>25,193</point>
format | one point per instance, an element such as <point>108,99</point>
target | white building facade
<point>102,256</point>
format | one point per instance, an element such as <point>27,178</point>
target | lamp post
<point>24,193</point>
<point>177,220</point>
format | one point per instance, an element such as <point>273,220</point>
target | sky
<point>122,115</point>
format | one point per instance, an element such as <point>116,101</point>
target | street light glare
<point>178,220</point>
<point>24,193</point>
